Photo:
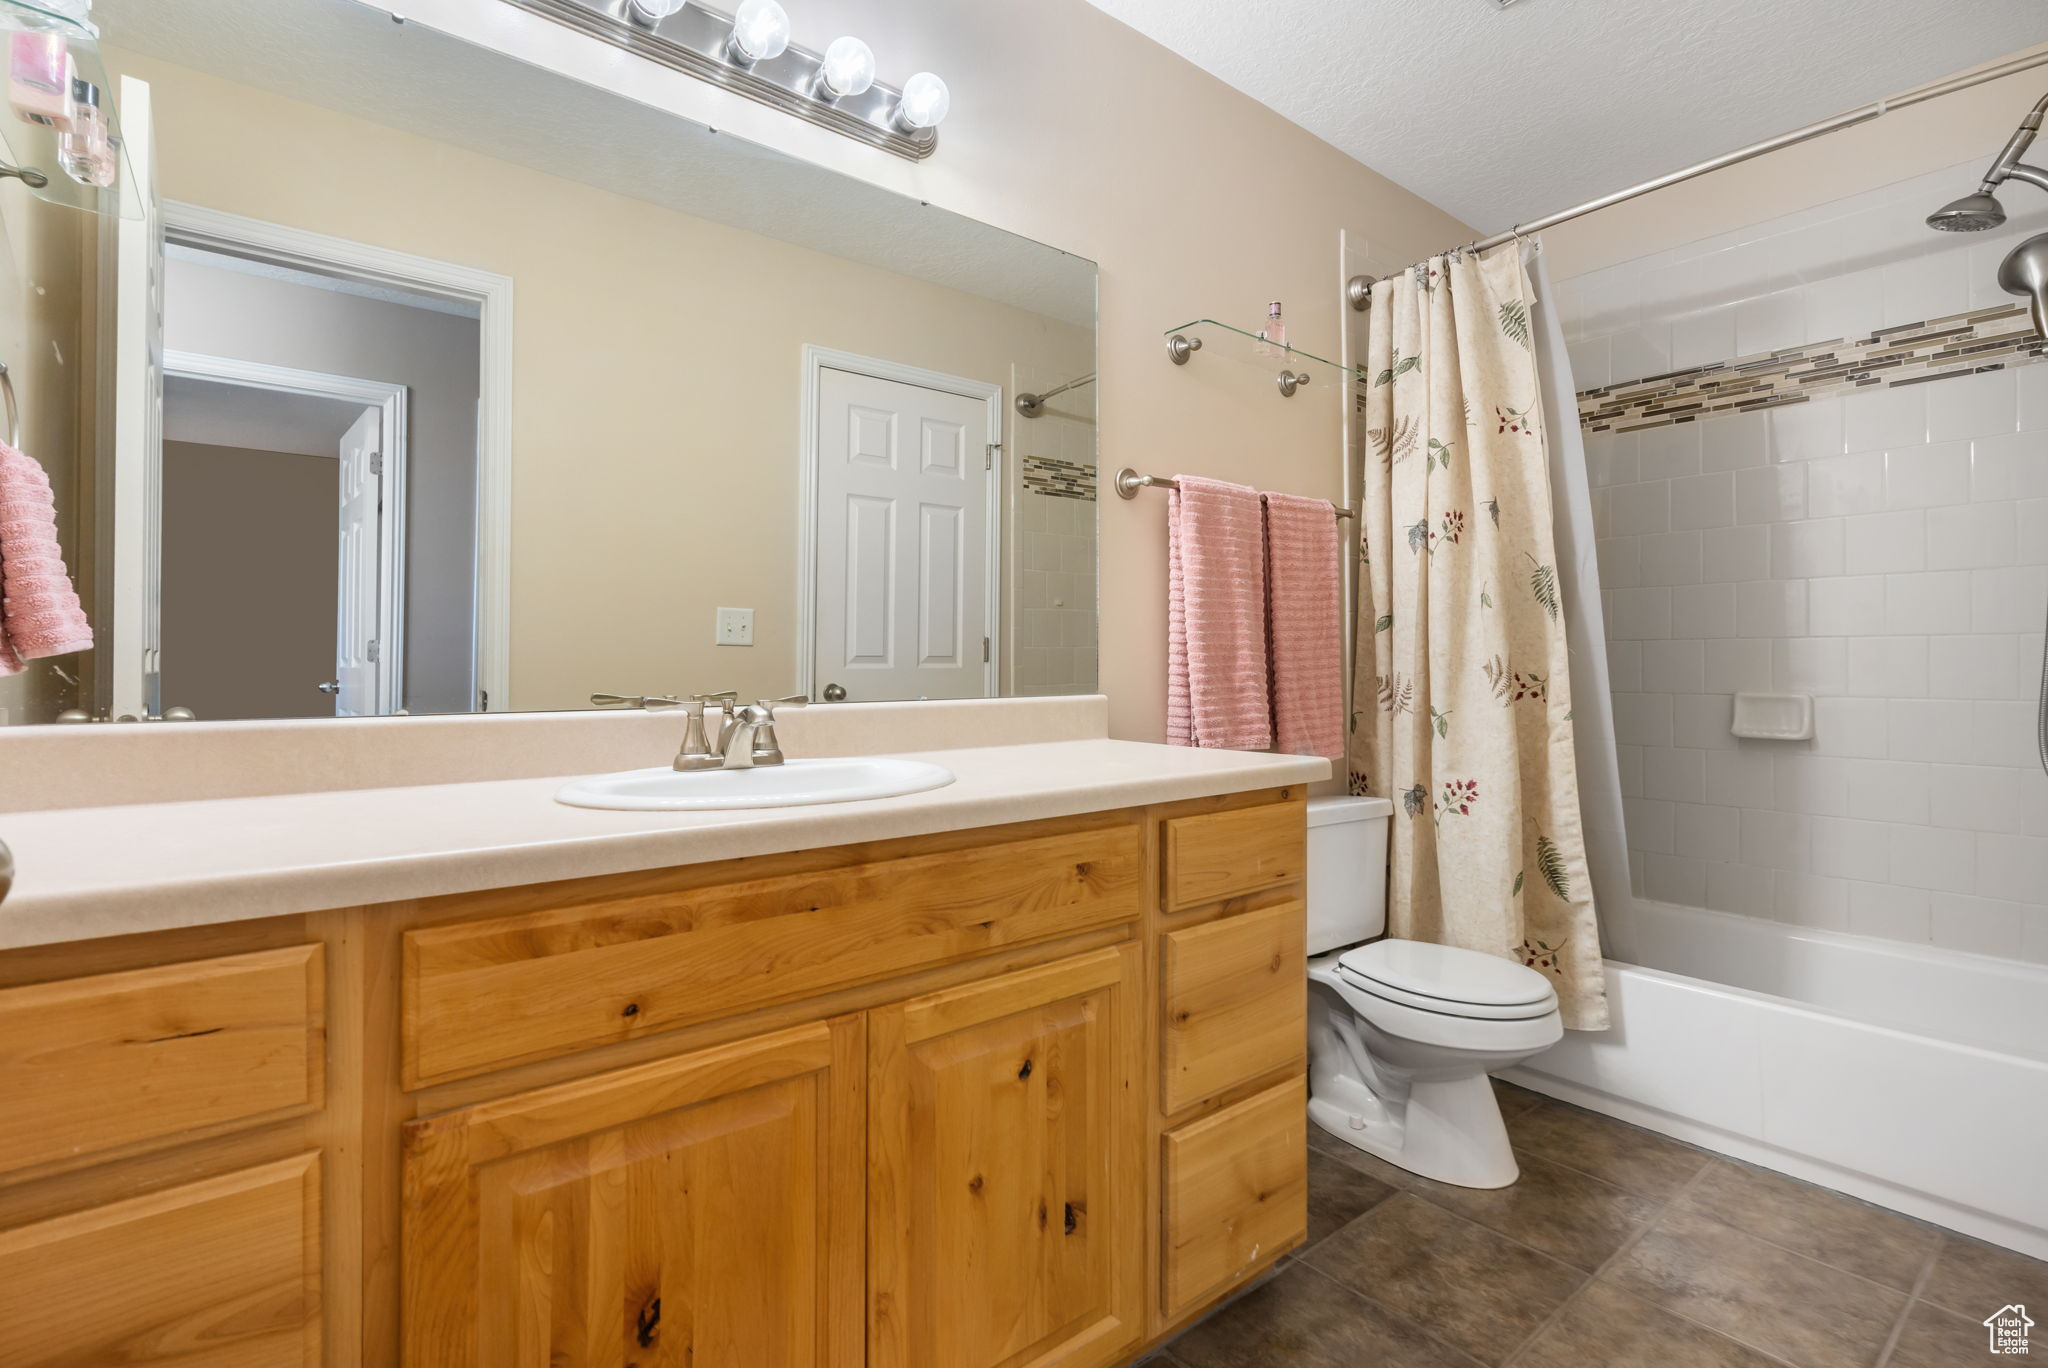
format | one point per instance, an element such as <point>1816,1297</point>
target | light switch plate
<point>735,627</point>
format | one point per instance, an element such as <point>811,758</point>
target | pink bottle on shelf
<point>39,78</point>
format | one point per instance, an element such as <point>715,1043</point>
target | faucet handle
<point>722,696</point>
<point>606,700</point>
<point>769,705</point>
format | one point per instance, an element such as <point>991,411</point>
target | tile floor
<point>1617,1249</point>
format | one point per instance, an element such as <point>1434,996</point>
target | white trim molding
<point>491,293</point>
<point>817,359</point>
<point>389,399</point>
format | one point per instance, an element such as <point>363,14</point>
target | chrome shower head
<point>1970,214</point>
<point>2025,272</point>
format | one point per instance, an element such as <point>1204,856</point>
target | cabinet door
<point>1006,1179</point>
<point>703,1210</point>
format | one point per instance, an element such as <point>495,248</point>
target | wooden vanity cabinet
<point>1022,1097</point>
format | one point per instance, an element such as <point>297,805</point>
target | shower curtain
<point>1463,700</point>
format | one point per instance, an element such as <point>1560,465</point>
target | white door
<point>903,566</point>
<point>133,638</point>
<point>356,646</point>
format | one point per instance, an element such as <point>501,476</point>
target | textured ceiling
<point>350,57</point>
<point>1498,115</point>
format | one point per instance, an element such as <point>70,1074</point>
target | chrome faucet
<point>749,738</point>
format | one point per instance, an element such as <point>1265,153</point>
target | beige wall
<point>1896,147</point>
<point>656,374</point>
<point>1195,201</point>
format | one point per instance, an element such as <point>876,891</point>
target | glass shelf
<point>33,146</point>
<point>1205,338</point>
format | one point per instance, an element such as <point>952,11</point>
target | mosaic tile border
<point>1909,354</point>
<point>1059,479</point>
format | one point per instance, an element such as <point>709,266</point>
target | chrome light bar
<point>699,43</point>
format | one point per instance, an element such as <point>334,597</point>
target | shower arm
<point>2007,164</point>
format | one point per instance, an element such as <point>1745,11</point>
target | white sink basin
<point>795,783</point>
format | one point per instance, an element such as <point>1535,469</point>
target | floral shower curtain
<point>1463,711</point>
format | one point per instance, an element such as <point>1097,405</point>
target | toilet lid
<point>1444,978</point>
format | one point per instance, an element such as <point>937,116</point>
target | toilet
<point>1402,1034</point>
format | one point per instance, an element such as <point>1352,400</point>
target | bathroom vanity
<point>1029,1092</point>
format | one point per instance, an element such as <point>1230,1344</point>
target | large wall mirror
<point>486,389</point>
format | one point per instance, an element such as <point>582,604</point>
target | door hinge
<point>989,456</point>
<point>376,463</point>
<point>373,652</point>
<point>984,650</point>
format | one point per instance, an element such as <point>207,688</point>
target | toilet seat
<point>1447,980</point>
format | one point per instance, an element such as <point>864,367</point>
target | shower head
<point>2025,272</point>
<point>1970,214</point>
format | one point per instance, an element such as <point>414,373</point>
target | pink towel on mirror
<point>39,610</point>
<point>1305,625</point>
<point>1217,693</point>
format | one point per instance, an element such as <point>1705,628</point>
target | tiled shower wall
<point>1881,546</point>
<point>1052,473</point>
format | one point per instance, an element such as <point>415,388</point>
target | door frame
<point>817,360</point>
<point>389,400</point>
<point>194,226</point>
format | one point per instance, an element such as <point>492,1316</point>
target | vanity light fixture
<point>750,54</point>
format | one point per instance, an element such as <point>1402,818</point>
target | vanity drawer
<point>1234,1194</point>
<point>1234,994</point>
<point>482,994</point>
<point>119,1062</point>
<point>1218,855</point>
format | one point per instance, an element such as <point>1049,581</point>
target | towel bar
<point>1128,482</point>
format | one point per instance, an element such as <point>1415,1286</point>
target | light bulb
<point>652,12</point>
<point>760,30</point>
<point>848,68</point>
<point>924,103</point>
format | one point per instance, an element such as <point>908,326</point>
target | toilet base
<point>1449,1130</point>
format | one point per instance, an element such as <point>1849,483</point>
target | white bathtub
<point>1913,1077</point>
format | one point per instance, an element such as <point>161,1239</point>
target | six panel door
<point>702,1210</point>
<point>1006,1171</point>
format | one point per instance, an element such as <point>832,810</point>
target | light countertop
<point>84,872</point>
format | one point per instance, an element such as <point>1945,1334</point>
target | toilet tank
<point>1347,870</point>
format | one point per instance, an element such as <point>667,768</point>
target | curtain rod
<point>1360,285</point>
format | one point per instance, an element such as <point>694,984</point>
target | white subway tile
<point>1881,416</point>
<point>1702,721</point>
<point>1624,665</point>
<point>2014,868</point>
<point>1888,790</point>
<point>1932,857</point>
<point>1643,719</point>
<point>1774,840</point>
<point>1809,665</point>
<point>1707,833</point>
<point>1881,543</point>
<point>1976,798</point>
<point>1641,614</point>
<point>1845,484</point>
<point>1728,554</point>
<point>1974,667</point>
<point>1675,879</point>
<point>1670,558</point>
<point>1814,784</point>
<point>1926,285</point>
<point>1770,322</point>
<point>1770,494</point>
<point>1674,667</point>
<point>1629,761</point>
<point>1741,776</point>
<point>1734,442</point>
<point>1770,608</point>
<point>1620,561</point>
<point>2000,734</point>
<point>1807,431</point>
<point>1674,775</point>
<point>1703,501</point>
<point>1933,729</point>
<point>1637,509</point>
<point>1971,406</point>
<point>1589,357</point>
<point>2009,599</point>
<point>1930,604</point>
<point>2033,538</point>
<point>1887,666</point>
<point>1703,610</point>
<point>1804,900</point>
<point>2032,383</point>
<point>2033,805</point>
<point>1649,824</point>
<point>1702,337</point>
<point>1848,307</point>
<point>1733,664</point>
<point>1972,536</point>
<point>1879,909</point>
<point>1852,727</point>
<point>1927,476</point>
<point>1979,926</point>
<point>1741,889</point>
<point>1846,849</point>
<point>2011,466</point>
<point>1848,605</point>
<point>1669,452</point>
<point>1639,351</point>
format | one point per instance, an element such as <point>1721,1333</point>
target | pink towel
<point>1305,626</point>
<point>39,610</point>
<point>1216,689</point>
